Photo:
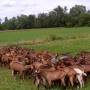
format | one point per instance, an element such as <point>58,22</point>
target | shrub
<point>54,37</point>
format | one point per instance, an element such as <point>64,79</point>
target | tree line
<point>58,17</point>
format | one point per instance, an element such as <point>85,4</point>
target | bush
<point>54,37</point>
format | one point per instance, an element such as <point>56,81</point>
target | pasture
<point>71,40</point>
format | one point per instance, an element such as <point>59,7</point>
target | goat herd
<point>46,69</point>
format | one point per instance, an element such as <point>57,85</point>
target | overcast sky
<point>12,8</point>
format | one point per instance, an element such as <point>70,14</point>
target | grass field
<point>71,40</point>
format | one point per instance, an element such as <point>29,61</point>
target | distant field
<point>71,40</point>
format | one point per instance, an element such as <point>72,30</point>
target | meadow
<point>71,40</point>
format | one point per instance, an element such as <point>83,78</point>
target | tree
<point>88,11</point>
<point>31,21</point>
<point>52,19</point>
<point>75,12</point>
<point>84,19</point>
<point>22,22</point>
<point>60,13</point>
<point>0,25</point>
<point>42,20</point>
<point>58,17</point>
<point>5,23</point>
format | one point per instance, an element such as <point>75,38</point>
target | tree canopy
<point>58,17</point>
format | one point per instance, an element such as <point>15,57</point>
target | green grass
<point>66,33</point>
<point>72,40</point>
<point>7,82</point>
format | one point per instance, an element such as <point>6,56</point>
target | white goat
<point>79,76</point>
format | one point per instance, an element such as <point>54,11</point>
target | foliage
<point>53,37</point>
<point>58,17</point>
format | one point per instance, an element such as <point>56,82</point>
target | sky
<point>11,8</point>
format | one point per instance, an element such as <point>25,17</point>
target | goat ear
<point>84,74</point>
